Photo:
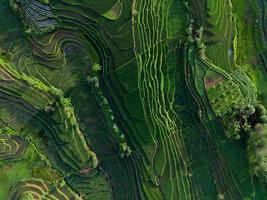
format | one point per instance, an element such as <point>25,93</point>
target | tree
<point>93,80</point>
<point>249,110</point>
<point>62,183</point>
<point>13,5</point>
<point>80,196</point>
<point>93,159</point>
<point>233,130</point>
<point>236,126</point>
<point>246,126</point>
<point>125,149</point>
<point>261,109</point>
<point>263,119</point>
<point>115,127</point>
<point>96,68</point>
<point>220,196</point>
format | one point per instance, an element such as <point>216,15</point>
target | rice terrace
<point>133,99</point>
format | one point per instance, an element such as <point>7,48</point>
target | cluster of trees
<point>200,43</point>
<point>195,36</point>
<point>189,31</point>
<point>257,144</point>
<point>251,121</point>
<point>93,81</point>
<point>125,150</point>
<point>257,150</point>
<point>242,120</point>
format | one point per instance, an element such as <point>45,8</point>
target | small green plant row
<point>7,130</point>
<point>196,42</point>
<point>30,189</point>
<point>224,97</point>
<point>31,11</point>
<point>247,87</point>
<point>12,145</point>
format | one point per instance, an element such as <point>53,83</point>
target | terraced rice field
<point>133,99</point>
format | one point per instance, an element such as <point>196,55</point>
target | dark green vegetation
<point>133,99</point>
